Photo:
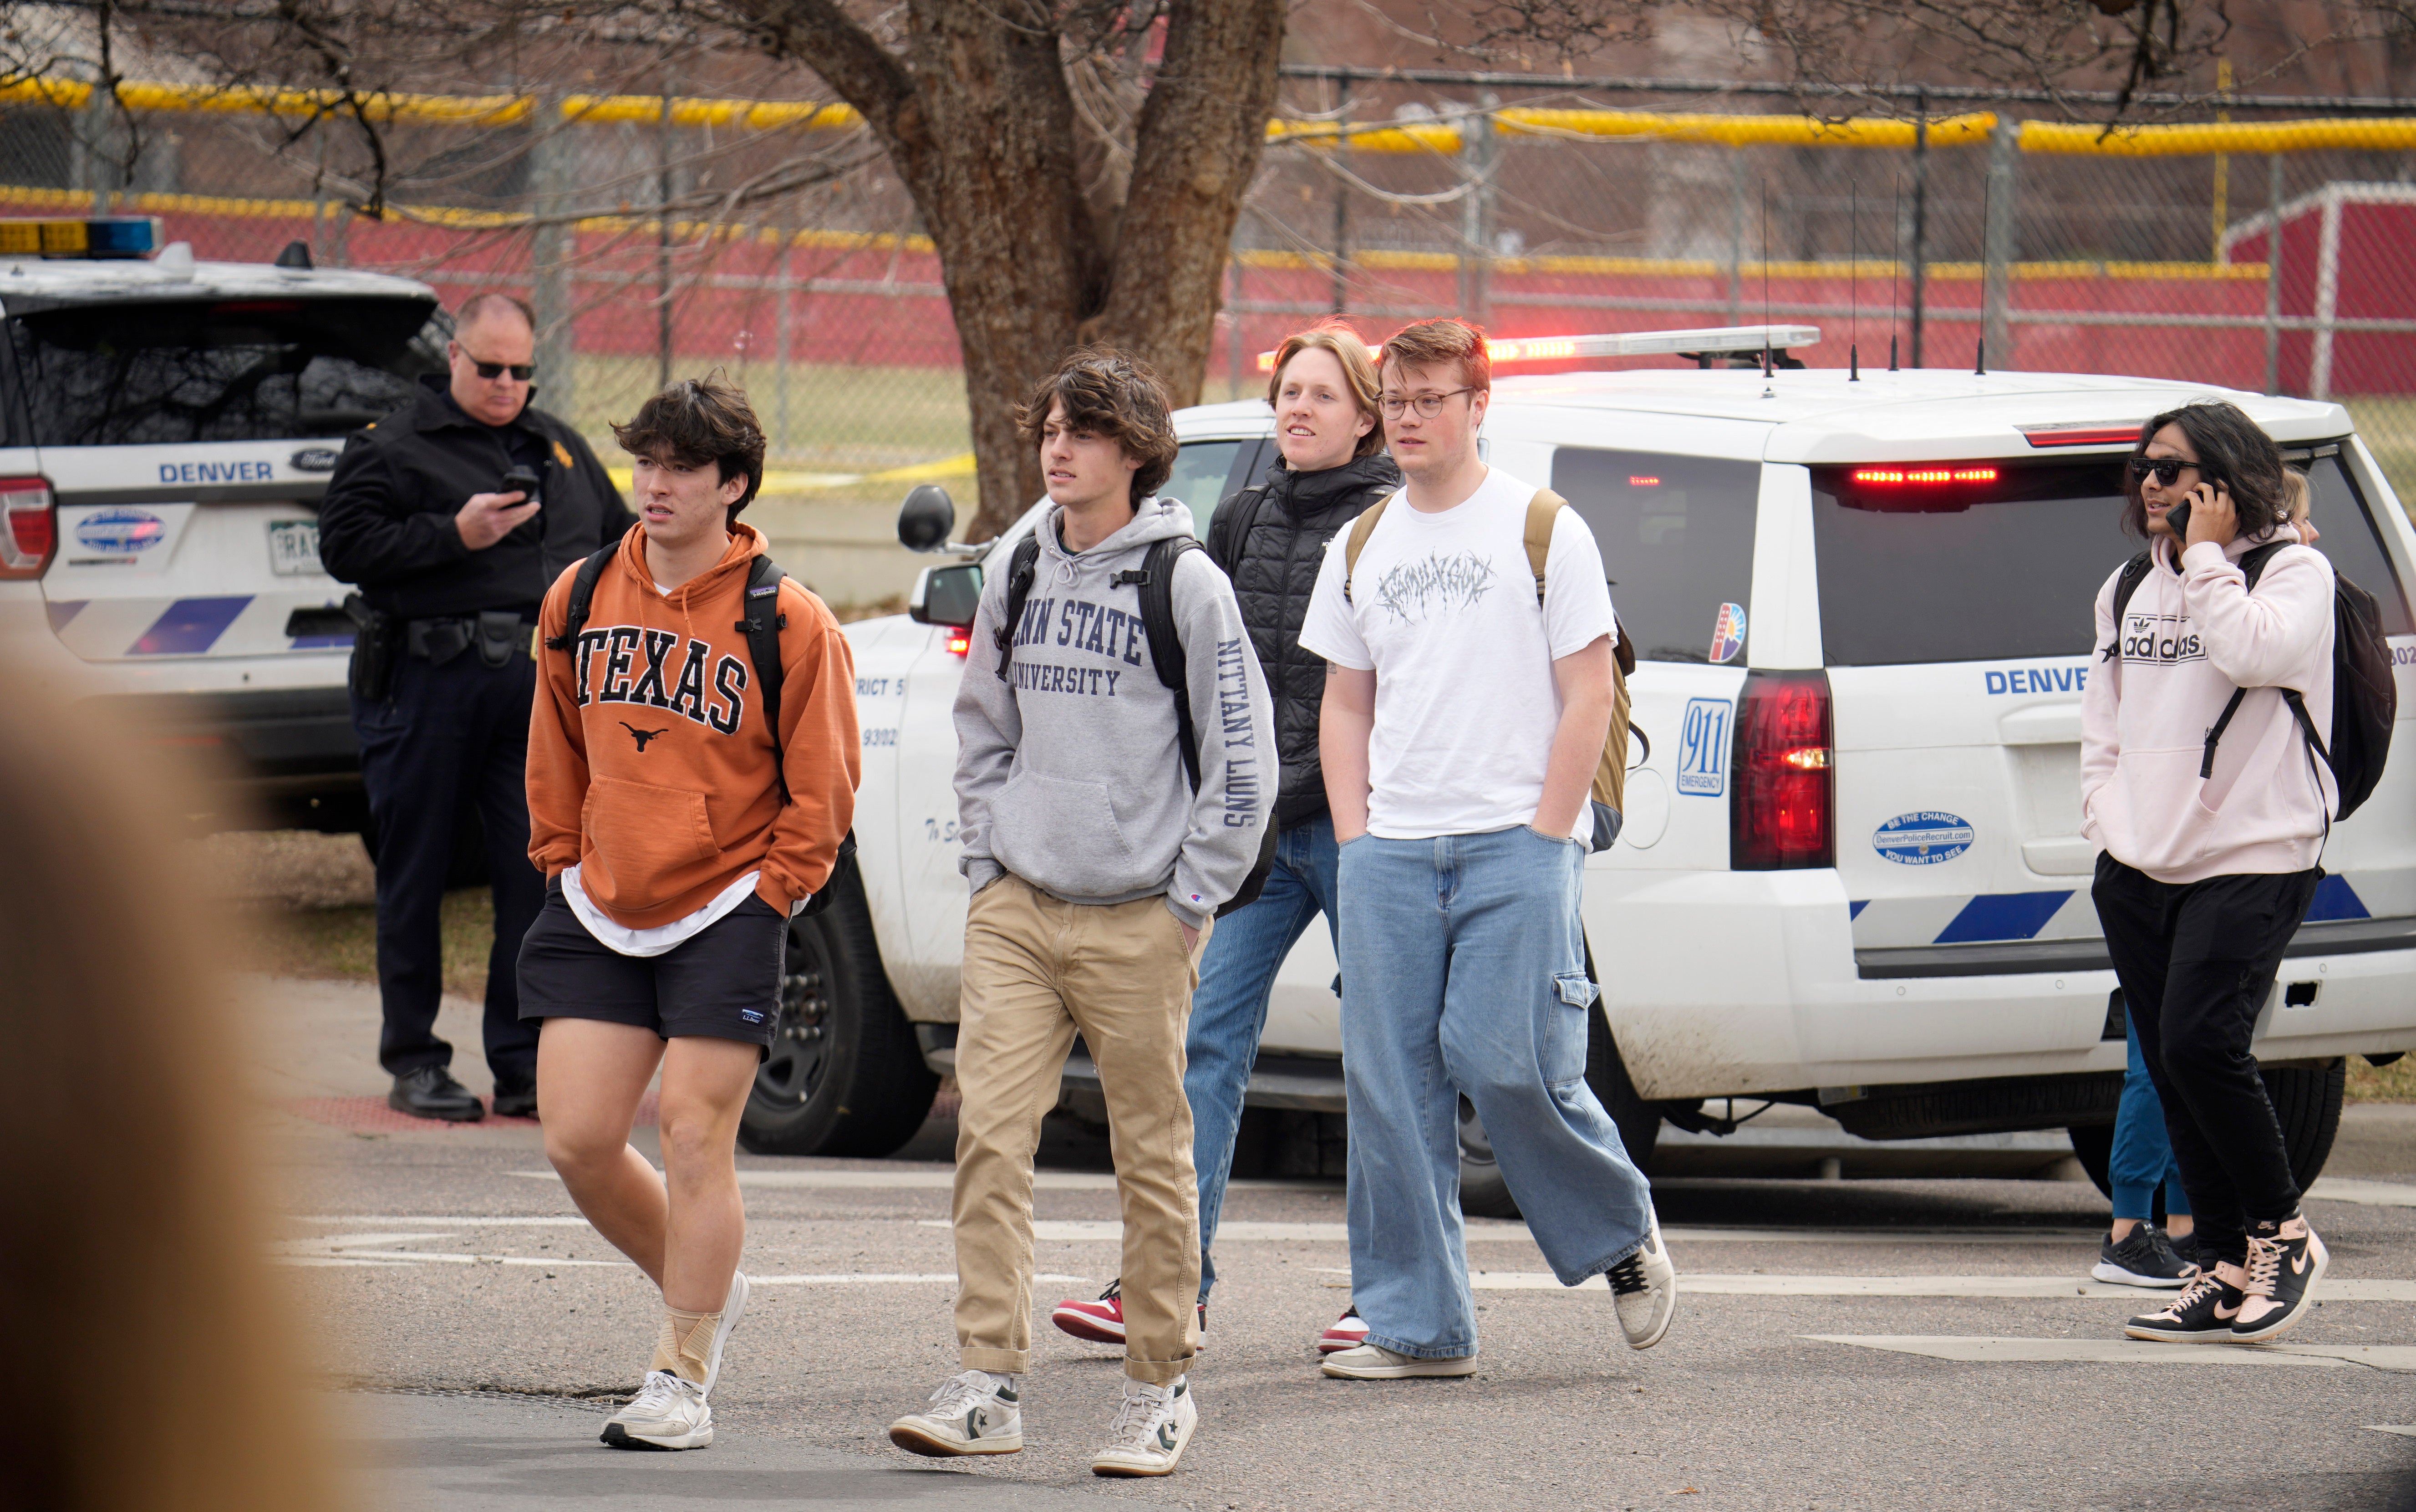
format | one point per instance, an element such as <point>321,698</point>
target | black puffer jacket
<point>1274,571</point>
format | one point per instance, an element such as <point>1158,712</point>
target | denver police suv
<point>1851,874</point>
<point>166,429</point>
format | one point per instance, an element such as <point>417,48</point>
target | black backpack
<point>1155,578</point>
<point>764,623</point>
<point>2365,700</point>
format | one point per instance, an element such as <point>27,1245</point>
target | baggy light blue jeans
<point>1463,972</point>
<point>2143,1152</point>
<point>1229,1011</point>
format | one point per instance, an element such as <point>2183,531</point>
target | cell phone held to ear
<point>521,479</point>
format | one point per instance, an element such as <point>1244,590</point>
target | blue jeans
<point>1228,1012</point>
<point>1463,972</point>
<point>2143,1152</point>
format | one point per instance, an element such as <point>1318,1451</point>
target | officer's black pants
<point>2196,961</point>
<point>445,739</point>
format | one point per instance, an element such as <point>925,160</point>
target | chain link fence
<point>789,256</point>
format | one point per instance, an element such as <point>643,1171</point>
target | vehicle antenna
<point>1895,225</point>
<point>1854,279</point>
<point>1980,352</point>
<point>1765,288</point>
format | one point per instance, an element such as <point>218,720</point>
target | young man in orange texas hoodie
<point>673,867</point>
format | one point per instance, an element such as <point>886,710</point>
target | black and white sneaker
<point>2283,1269</point>
<point>1644,1291</point>
<point>2202,1314</point>
<point>2144,1258</point>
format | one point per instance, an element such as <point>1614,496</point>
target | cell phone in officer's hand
<point>521,479</point>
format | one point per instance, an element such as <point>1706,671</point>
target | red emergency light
<point>1638,481</point>
<point>1627,344</point>
<point>1924,474</point>
<point>2081,434</point>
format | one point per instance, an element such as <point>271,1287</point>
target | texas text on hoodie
<point>1069,774</point>
<point>2186,640</point>
<point>650,765</point>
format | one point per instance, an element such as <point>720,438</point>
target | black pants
<point>2196,961</point>
<point>448,738</point>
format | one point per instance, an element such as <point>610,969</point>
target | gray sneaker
<point>1374,1362</point>
<point>969,1414</point>
<point>2144,1258</point>
<point>670,1414</point>
<point>1644,1291</point>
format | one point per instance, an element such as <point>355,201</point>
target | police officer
<point>452,563</point>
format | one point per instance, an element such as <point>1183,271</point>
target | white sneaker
<point>670,1414</point>
<point>1374,1362</point>
<point>969,1414</point>
<point>733,1307</point>
<point>1644,1291</point>
<point>1151,1429</point>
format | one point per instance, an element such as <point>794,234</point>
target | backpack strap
<point>1021,568</point>
<point>2252,566</point>
<point>583,595</point>
<point>1228,531</point>
<point>1155,578</point>
<point>764,623</point>
<point>2126,583</point>
<point>1352,544</point>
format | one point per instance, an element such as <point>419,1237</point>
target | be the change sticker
<point>1923,837</point>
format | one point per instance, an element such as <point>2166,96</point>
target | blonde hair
<point>132,1251</point>
<point>1358,372</point>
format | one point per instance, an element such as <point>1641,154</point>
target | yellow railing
<point>1440,136</point>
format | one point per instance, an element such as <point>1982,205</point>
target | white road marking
<point>1880,1236</point>
<point>2402,1429</point>
<point>2395,1359</point>
<point>2370,1193</point>
<point>451,1222</point>
<point>2041,1287</point>
<point>892,1278</point>
<point>361,1249</point>
<point>1050,1180</point>
<point>1108,1230</point>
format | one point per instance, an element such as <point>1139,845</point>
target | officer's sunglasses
<point>2166,470</point>
<point>520,371</point>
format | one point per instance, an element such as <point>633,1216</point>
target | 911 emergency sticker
<point>1704,747</point>
<point>1923,837</point>
<point>1727,633</point>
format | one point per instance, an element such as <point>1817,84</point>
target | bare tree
<point>1074,193</point>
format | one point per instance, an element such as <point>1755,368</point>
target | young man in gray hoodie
<point>1097,869</point>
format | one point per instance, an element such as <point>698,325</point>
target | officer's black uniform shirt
<point>387,522</point>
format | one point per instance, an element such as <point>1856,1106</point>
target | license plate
<point>293,548</point>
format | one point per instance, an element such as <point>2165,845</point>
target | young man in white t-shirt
<point>1460,732</point>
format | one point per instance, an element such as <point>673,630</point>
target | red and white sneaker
<point>1103,1321</point>
<point>1350,1331</point>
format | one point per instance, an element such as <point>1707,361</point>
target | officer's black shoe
<point>516,1102</point>
<point>431,1092</point>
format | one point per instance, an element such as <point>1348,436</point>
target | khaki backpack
<point>1609,792</point>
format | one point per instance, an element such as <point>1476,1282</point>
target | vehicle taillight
<point>960,640</point>
<point>32,537</point>
<point>1782,790</point>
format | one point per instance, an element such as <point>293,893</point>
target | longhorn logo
<point>642,736</point>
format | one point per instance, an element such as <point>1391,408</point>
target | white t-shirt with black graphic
<point>1443,610</point>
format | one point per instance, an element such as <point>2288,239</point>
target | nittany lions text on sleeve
<point>1069,770</point>
<point>1442,609</point>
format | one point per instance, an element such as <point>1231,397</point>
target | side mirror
<point>926,518</point>
<point>946,595</point>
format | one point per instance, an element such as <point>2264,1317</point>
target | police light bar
<point>2081,434</point>
<point>1924,474</point>
<point>1721,338</point>
<point>92,237</point>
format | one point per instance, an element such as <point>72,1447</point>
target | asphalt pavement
<point>1903,1342</point>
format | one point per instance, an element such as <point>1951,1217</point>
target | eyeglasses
<point>2166,470</point>
<point>1427,405</point>
<point>520,371</point>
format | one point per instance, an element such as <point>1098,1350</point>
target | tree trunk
<point>979,121</point>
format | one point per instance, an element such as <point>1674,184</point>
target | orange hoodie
<point>649,762</point>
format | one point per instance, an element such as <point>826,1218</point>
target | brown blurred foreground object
<point>132,1241</point>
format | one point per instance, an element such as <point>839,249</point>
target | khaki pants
<point>1036,970</point>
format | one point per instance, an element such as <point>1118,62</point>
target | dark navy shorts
<point>724,983</point>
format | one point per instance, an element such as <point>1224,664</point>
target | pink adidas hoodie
<point>2186,640</point>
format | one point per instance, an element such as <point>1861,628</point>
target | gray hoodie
<point>1069,774</point>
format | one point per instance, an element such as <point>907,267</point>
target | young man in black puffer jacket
<point>1271,540</point>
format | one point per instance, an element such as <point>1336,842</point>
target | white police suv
<point>1851,874</point>
<point>166,429</point>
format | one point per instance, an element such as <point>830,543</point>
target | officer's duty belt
<point>499,635</point>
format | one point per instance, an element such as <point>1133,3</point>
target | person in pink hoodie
<point>2212,832</point>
